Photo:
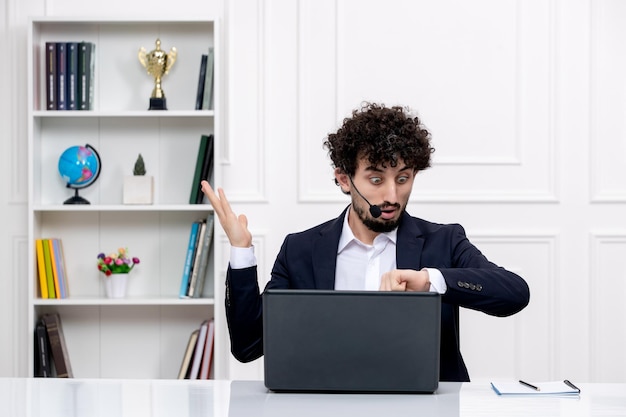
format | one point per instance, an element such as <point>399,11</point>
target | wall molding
<point>600,283</point>
<point>329,42</point>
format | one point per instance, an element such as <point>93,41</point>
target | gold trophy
<point>157,63</point>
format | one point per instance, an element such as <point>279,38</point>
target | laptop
<point>351,341</point>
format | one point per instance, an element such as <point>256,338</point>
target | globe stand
<point>76,199</point>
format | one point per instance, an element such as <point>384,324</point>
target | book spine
<point>55,271</point>
<point>51,76</point>
<point>58,346</point>
<point>188,260</point>
<point>207,166</point>
<point>207,96</point>
<point>49,273</point>
<point>197,354</point>
<point>196,261</point>
<point>60,267</point>
<point>63,270</point>
<point>201,77</point>
<point>84,74</point>
<point>42,351</point>
<point>207,356</point>
<point>196,248</point>
<point>195,185</point>
<point>41,268</point>
<point>204,258</point>
<point>187,357</point>
<point>61,62</point>
<point>92,76</point>
<point>72,75</point>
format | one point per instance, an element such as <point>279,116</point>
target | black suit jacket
<point>307,260</point>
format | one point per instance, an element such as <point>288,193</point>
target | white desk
<point>178,398</point>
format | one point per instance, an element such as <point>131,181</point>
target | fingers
<point>243,220</point>
<point>218,201</point>
<point>405,280</point>
<point>236,227</point>
<point>213,198</point>
<point>392,281</point>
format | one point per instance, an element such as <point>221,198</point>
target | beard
<point>375,225</point>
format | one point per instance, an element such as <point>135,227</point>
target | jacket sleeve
<point>244,306</point>
<point>476,283</point>
<point>244,314</point>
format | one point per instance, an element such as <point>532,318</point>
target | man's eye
<point>375,180</point>
<point>402,180</point>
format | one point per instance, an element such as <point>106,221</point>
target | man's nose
<point>390,192</point>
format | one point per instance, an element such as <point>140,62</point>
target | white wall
<point>525,100</point>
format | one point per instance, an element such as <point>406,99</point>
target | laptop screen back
<point>351,341</point>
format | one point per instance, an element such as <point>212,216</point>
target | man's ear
<point>342,180</point>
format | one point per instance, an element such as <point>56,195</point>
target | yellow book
<point>49,274</point>
<point>41,268</point>
<point>55,268</point>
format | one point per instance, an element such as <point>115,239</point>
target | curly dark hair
<point>382,135</point>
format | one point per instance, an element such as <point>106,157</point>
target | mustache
<point>388,205</point>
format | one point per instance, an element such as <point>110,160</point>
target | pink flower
<point>116,263</point>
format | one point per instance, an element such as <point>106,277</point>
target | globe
<point>79,167</point>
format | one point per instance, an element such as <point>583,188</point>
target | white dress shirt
<point>360,266</point>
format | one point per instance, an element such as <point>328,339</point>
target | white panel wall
<point>526,102</point>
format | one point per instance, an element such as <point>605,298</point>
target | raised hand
<point>235,226</point>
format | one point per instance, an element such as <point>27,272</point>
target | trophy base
<point>157,104</point>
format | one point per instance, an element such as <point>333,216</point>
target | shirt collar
<point>347,236</point>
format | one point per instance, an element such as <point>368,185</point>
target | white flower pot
<point>138,189</point>
<point>115,285</point>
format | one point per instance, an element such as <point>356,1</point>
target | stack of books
<point>197,258</point>
<point>51,268</point>
<point>51,354</point>
<point>198,357</point>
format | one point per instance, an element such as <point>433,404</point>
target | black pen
<point>526,384</point>
<point>572,386</point>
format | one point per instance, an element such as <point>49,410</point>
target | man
<point>374,244</point>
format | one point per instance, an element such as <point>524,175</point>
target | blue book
<point>60,263</point>
<point>191,248</point>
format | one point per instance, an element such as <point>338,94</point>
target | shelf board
<point>122,113</point>
<point>128,301</point>
<point>123,19</point>
<point>122,207</point>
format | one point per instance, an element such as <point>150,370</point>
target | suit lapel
<point>325,254</point>
<point>409,245</point>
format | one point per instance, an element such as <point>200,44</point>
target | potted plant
<point>116,267</point>
<point>139,187</point>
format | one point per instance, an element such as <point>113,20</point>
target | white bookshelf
<point>145,334</point>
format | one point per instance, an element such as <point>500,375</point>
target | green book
<point>207,166</point>
<point>195,185</point>
<point>85,72</point>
